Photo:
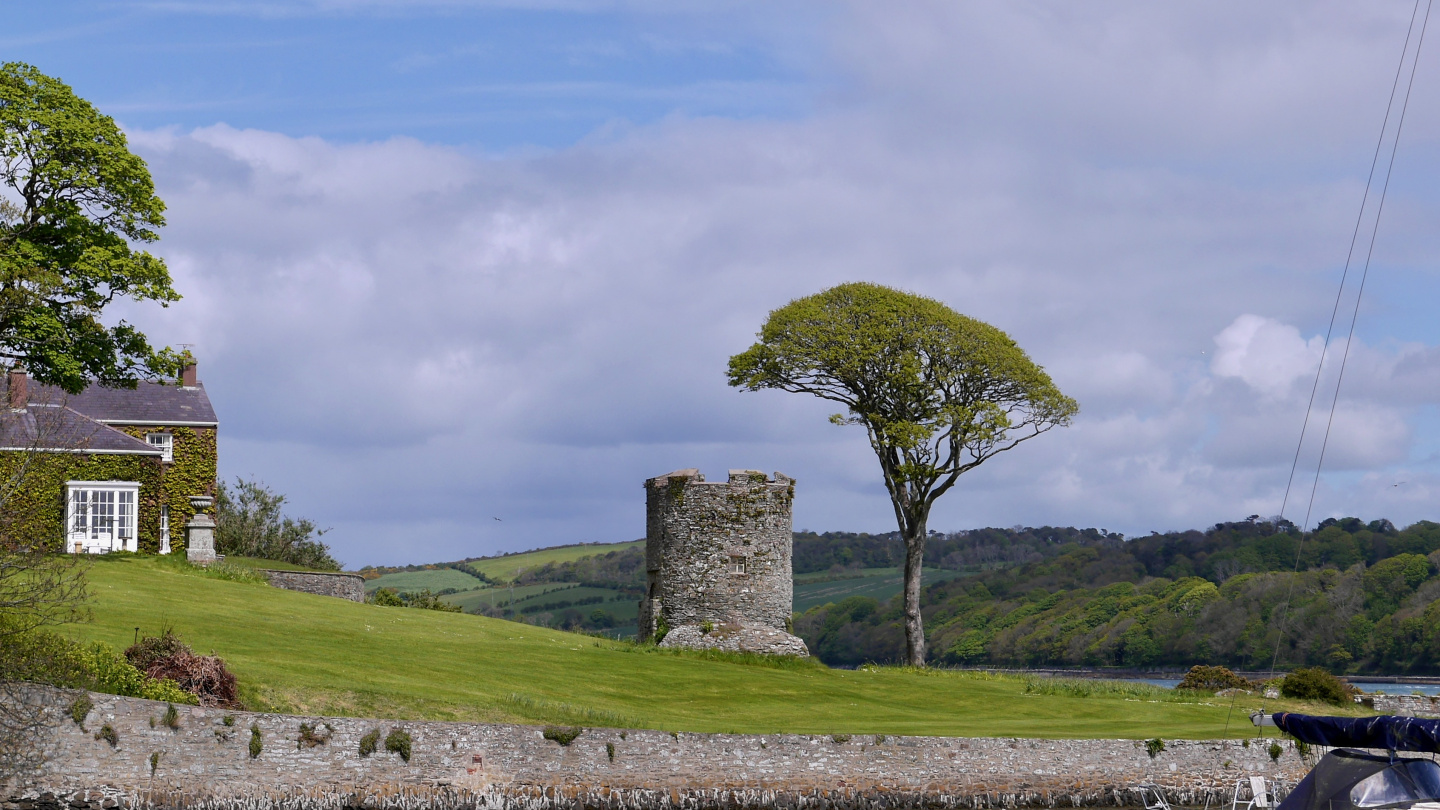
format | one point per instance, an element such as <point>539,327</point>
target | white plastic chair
<point>1153,798</point>
<point>1260,798</point>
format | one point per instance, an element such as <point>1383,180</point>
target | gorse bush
<point>1314,683</point>
<point>249,523</point>
<point>1213,679</point>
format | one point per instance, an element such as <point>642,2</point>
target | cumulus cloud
<point>413,339</point>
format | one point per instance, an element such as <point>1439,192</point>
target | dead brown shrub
<point>168,656</point>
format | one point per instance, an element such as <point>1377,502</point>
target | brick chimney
<point>19,388</point>
<point>187,371</point>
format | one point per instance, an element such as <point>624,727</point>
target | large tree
<point>74,203</point>
<point>937,393</point>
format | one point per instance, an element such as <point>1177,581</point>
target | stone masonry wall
<point>344,586</point>
<point>1406,705</point>
<point>206,763</point>
<point>718,552</point>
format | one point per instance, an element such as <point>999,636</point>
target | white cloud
<point>1268,355</point>
<point>411,339</point>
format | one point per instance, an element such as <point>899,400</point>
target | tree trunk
<point>914,624</point>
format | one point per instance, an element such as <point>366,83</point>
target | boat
<point>1349,778</point>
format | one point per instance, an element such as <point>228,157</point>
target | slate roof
<point>51,427</point>
<point>148,403</point>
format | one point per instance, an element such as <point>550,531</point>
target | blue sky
<point>494,78</point>
<point>446,262</point>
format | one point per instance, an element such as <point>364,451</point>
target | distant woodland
<point>1366,598</point>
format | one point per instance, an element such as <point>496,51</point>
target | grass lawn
<point>316,655</point>
<point>469,600</point>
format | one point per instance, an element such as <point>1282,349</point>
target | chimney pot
<point>187,373</point>
<point>19,388</point>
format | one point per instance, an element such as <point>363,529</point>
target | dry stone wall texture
<point>208,763</point>
<point>344,586</point>
<point>718,556</point>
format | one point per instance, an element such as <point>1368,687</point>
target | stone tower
<point>717,560</point>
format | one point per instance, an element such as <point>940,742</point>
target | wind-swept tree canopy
<point>937,393</point>
<point>73,200</point>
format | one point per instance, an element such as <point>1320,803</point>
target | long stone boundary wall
<point>344,586</point>
<point>207,762</point>
<point>1407,705</point>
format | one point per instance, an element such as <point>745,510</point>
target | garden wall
<point>344,586</point>
<point>206,763</point>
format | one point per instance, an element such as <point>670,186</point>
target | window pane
<point>126,514</point>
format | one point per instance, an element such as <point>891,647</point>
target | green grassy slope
<point>311,654</point>
<point>434,580</point>
<point>505,568</point>
<point>878,583</point>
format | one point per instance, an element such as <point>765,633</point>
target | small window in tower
<point>737,565</point>
<point>163,442</point>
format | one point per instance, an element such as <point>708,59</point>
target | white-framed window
<point>100,516</point>
<point>737,565</point>
<point>164,528</point>
<point>164,442</point>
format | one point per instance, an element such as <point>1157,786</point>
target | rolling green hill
<point>433,580</point>
<point>311,654</point>
<point>880,584</point>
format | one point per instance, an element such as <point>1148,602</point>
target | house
<point>109,469</point>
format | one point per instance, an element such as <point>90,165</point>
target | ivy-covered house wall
<point>193,472</point>
<point>34,497</point>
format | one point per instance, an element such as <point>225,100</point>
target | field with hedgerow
<point>308,654</point>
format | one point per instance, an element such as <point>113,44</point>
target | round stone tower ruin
<point>717,560</point>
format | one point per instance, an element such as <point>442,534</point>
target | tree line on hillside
<point>1366,599</point>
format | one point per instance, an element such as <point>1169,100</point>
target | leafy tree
<point>74,200</point>
<point>937,393</point>
<point>249,523</point>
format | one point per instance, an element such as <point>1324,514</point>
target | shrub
<point>154,762</point>
<point>168,657</point>
<point>398,741</point>
<point>1153,747</point>
<point>369,743</point>
<point>107,733</point>
<point>610,751</point>
<point>171,720</point>
<point>840,738</point>
<point>249,523</point>
<point>1213,679</point>
<point>256,743</point>
<point>1275,751</point>
<point>1314,683</point>
<point>385,597</point>
<point>80,709</point>
<point>228,720</point>
<point>562,734</point>
<point>310,736</point>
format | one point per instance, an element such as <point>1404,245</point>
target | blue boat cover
<point>1386,731</point>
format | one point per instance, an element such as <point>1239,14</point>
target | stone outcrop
<point>717,560</point>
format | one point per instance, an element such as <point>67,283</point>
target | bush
<point>310,736</point>
<point>107,733</point>
<point>249,523</point>
<point>369,743</point>
<point>168,657</point>
<point>171,720</point>
<point>257,744</point>
<point>562,734</point>
<point>1153,747</point>
<point>398,741</point>
<point>1213,679</point>
<point>80,709</point>
<point>385,597</point>
<point>1314,683</point>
